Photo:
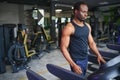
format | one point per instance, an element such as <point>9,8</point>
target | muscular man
<point>76,38</point>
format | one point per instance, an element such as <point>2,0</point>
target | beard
<point>80,18</point>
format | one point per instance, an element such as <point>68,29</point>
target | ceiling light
<point>58,10</point>
<point>63,5</point>
<point>72,7</point>
<point>103,3</point>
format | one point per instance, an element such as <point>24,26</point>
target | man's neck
<point>78,22</point>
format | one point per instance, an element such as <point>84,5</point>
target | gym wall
<point>8,13</point>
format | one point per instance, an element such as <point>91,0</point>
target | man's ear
<point>76,11</point>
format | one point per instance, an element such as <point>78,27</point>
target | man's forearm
<point>93,47</point>
<point>67,56</point>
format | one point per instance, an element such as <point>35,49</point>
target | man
<point>76,38</point>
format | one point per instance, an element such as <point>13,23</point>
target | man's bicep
<point>90,39</point>
<point>65,40</point>
<point>65,37</point>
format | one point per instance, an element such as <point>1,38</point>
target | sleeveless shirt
<point>78,47</point>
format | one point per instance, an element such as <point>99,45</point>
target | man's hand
<point>77,69</point>
<point>100,59</point>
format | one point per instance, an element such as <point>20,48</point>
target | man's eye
<point>84,12</point>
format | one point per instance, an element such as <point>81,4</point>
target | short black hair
<point>77,5</point>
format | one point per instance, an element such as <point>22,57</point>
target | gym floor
<point>39,65</point>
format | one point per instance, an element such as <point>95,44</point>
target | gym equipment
<point>7,37</point>
<point>34,42</point>
<point>35,38</point>
<point>108,71</point>
<point>2,51</point>
<point>19,54</point>
<point>93,58</point>
<point>106,55</point>
<point>48,40</point>
<point>104,39</point>
<point>62,73</point>
<point>37,42</point>
<point>8,33</point>
<point>119,39</point>
<point>17,57</point>
<point>114,46</point>
<point>106,74</point>
<point>29,53</point>
<point>112,62</point>
<point>31,75</point>
<point>22,38</point>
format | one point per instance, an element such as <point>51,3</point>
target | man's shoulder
<point>69,25</point>
<point>88,25</point>
<point>69,28</point>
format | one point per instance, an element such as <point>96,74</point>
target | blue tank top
<point>78,47</point>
